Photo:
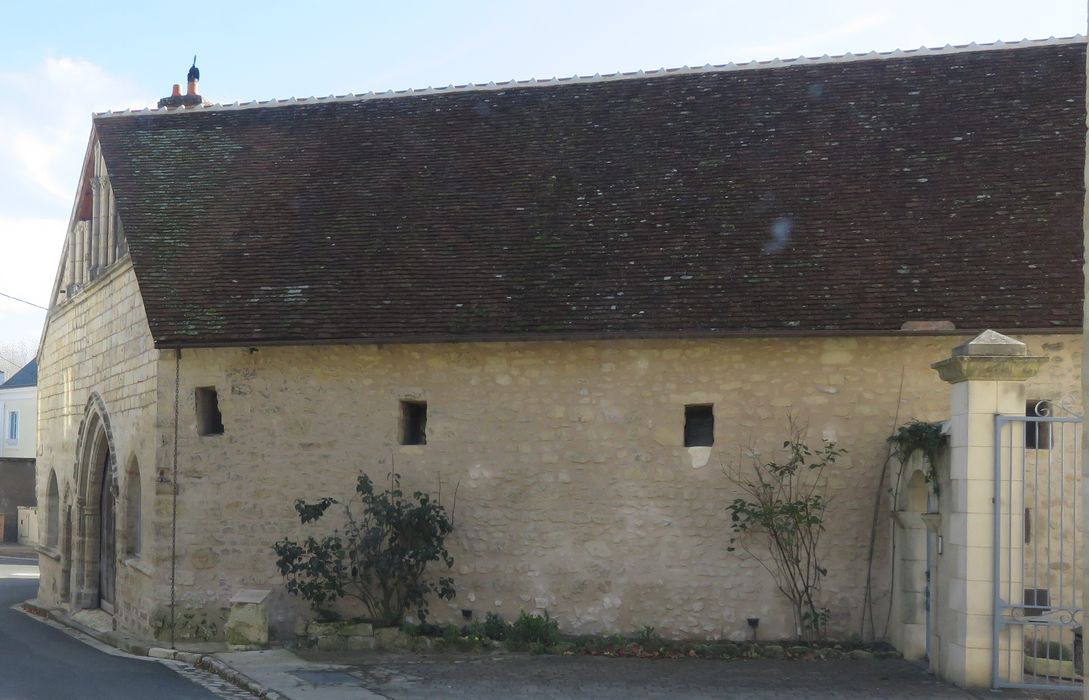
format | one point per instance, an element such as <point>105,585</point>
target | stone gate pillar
<point>987,375</point>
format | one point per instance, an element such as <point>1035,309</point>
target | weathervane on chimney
<point>191,98</point>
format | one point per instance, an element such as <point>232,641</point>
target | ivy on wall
<point>920,436</point>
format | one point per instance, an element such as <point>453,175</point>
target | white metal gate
<point>1037,533</point>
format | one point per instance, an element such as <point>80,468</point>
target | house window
<point>209,419</point>
<point>1037,435</point>
<point>413,422</point>
<point>699,425</point>
<point>1037,601</point>
<point>13,426</point>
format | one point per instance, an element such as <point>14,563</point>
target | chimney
<point>193,78</point>
<point>191,98</point>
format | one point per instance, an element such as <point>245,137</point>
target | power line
<point>30,303</point>
<point>13,363</point>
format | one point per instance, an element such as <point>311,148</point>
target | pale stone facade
<point>982,386</point>
<point>990,594</point>
<point>575,493</point>
<point>98,345</point>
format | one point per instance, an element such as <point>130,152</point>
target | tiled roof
<point>828,196</point>
<point>619,75</point>
<point>27,376</point>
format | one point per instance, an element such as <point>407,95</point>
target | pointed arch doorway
<point>94,570</point>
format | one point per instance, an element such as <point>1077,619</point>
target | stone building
<point>575,301</point>
<point>18,446</point>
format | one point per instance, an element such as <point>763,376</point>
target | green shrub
<point>534,633</point>
<point>428,629</point>
<point>495,627</point>
<point>381,557</point>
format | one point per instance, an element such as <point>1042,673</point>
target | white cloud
<point>29,256</point>
<point>38,159</point>
<point>44,124</point>
<point>45,120</point>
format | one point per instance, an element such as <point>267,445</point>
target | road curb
<point>136,647</point>
<point>227,672</point>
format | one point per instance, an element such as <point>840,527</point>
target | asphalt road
<point>40,661</point>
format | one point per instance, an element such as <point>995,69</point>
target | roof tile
<point>849,196</point>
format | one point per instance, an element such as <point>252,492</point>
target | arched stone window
<point>133,508</point>
<point>52,511</point>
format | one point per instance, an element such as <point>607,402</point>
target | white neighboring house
<point>18,449</point>
<point>19,411</point>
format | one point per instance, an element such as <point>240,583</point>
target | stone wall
<point>98,342</point>
<point>575,493</point>
<point>16,489</point>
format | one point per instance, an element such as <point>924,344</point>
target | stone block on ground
<point>247,624</point>
<point>336,636</point>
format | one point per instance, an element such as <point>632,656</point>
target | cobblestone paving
<point>548,677</point>
<point>210,681</point>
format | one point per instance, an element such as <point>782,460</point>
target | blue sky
<point>62,60</point>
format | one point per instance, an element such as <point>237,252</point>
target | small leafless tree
<point>14,354</point>
<point>779,518</point>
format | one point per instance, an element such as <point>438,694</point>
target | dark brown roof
<point>846,196</point>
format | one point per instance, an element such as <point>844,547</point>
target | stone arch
<point>96,484</point>
<point>909,626</point>
<point>95,439</point>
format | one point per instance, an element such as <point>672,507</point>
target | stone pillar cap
<point>991,344</point>
<point>990,356</point>
<point>251,596</point>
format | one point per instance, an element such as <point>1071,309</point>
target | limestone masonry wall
<point>575,493</point>
<point>99,342</point>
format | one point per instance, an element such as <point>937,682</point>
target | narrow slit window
<point>699,425</point>
<point>413,422</point>
<point>209,419</point>
<point>1037,434</point>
